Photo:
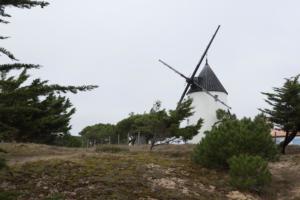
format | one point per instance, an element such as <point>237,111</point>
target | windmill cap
<point>208,80</point>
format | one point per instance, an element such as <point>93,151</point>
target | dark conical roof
<point>208,80</point>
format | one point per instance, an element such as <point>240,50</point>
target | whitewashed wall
<point>205,107</point>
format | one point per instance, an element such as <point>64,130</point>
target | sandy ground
<point>286,171</point>
<point>286,176</point>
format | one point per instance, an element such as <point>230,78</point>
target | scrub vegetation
<point>232,137</point>
<point>249,172</point>
<point>244,146</point>
<point>49,172</point>
<point>89,174</point>
<point>237,154</point>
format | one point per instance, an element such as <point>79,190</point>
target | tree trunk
<point>152,144</point>
<point>283,143</point>
<point>288,138</point>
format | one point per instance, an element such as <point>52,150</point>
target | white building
<point>205,106</point>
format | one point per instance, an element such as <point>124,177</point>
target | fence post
<point>128,138</point>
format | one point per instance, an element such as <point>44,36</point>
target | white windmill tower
<point>205,106</point>
<point>207,92</point>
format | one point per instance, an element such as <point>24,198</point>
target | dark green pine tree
<point>285,109</point>
<point>31,110</point>
<point>34,112</point>
<point>3,16</point>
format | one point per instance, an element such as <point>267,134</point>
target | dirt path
<point>286,176</point>
<point>26,159</point>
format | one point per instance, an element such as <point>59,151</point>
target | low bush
<point>2,163</point>
<point>112,148</point>
<point>249,172</point>
<point>69,141</point>
<point>232,137</point>
<point>2,160</point>
<point>3,151</point>
<point>56,196</point>
<point>5,195</point>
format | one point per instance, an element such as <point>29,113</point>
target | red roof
<point>279,133</point>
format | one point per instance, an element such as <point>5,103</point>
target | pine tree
<point>285,109</point>
<point>160,126</point>
<point>232,137</point>
<point>3,15</point>
<point>34,112</point>
<point>23,4</point>
<point>99,134</point>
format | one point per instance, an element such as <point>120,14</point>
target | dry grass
<point>47,172</point>
<point>58,173</point>
<point>165,148</point>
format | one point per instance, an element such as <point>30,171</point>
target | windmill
<point>206,90</point>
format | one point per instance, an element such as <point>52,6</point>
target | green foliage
<point>31,110</point>
<point>100,134</point>
<point>18,4</point>
<point>56,196</point>
<point>249,172</point>
<point>5,195</point>
<point>2,151</point>
<point>285,104</point>
<point>232,137</point>
<point>285,108</point>
<point>2,160</point>
<point>112,148</point>
<point>68,140</point>
<point>160,126</point>
<point>2,163</point>
<point>34,112</point>
<point>128,126</point>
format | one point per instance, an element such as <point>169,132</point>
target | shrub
<point>249,172</point>
<point>3,151</point>
<point>2,163</point>
<point>233,137</point>
<point>5,195</point>
<point>112,148</point>
<point>69,141</point>
<point>73,141</point>
<point>55,196</point>
<point>2,160</point>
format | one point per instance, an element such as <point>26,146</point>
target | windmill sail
<point>198,65</point>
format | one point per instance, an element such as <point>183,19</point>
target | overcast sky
<point>116,44</point>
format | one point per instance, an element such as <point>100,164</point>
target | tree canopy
<point>232,137</point>
<point>99,134</point>
<point>285,108</point>
<point>31,110</point>
<point>34,111</point>
<point>159,126</point>
<point>23,4</point>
